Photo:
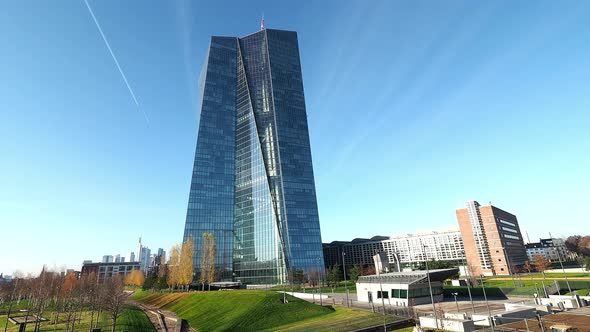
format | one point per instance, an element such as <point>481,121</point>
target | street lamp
<point>456,303</point>
<point>483,287</point>
<point>508,266</point>
<point>344,269</point>
<point>429,285</point>
<point>320,279</point>
<point>468,281</point>
<point>560,263</point>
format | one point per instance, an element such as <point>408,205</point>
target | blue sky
<point>414,107</point>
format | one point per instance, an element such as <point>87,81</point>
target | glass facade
<point>211,197</point>
<point>253,175</point>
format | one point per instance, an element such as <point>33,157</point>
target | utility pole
<point>429,285</point>
<point>468,281</point>
<point>561,264</point>
<point>456,303</point>
<point>320,279</point>
<point>487,304</point>
<point>508,266</point>
<point>344,269</point>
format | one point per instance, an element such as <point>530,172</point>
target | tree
<point>333,276</point>
<point>114,298</point>
<point>207,263</point>
<point>150,282</point>
<point>369,270</point>
<point>527,267</point>
<point>313,277</point>
<point>354,273</point>
<point>571,243</point>
<point>173,266</point>
<point>135,278</point>
<point>436,265</point>
<point>541,263</point>
<point>587,263</point>
<point>186,268</point>
<point>584,246</point>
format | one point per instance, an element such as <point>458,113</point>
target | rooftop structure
<point>403,288</point>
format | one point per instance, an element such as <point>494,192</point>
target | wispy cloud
<point>115,60</point>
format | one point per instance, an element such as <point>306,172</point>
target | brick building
<point>492,239</point>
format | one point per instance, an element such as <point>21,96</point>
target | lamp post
<point>429,285</point>
<point>456,303</point>
<point>508,266</point>
<point>468,281</point>
<point>344,269</point>
<point>560,263</point>
<point>483,287</point>
<point>320,279</point>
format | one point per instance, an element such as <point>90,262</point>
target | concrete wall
<point>568,302</point>
<point>447,324</point>
<point>307,296</point>
<point>515,315</point>
<point>481,320</point>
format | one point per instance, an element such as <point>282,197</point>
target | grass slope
<point>342,319</point>
<point>257,311</point>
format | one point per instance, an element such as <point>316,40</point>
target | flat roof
<point>409,277</point>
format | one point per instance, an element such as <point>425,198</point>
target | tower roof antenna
<point>262,23</point>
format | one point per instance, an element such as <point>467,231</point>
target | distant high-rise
<point>107,259</point>
<point>145,258</point>
<point>492,239</point>
<point>252,182</point>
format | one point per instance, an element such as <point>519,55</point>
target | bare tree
<point>42,293</point>
<point>542,264</point>
<point>69,298</point>
<point>114,298</point>
<point>527,267</point>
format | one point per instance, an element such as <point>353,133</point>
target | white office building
<point>408,248</point>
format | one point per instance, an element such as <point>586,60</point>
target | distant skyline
<point>414,107</point>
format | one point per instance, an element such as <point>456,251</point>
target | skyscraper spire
<point>262,23</point>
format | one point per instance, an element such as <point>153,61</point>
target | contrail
<point>115,59</point>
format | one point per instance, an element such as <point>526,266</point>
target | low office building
<point>107,270</point>
<point>404,249</point>
<point>403,288</point>
<point>551,249</point>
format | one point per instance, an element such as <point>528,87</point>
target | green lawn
<point>342,319</point>
<point>581,292</point>
<point>248,310</point>
<point>132,319</point>
<point>526,285</point>
<point>324,289</point>
<point>550,275</point>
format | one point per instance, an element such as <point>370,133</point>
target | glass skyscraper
<point>252,184</point>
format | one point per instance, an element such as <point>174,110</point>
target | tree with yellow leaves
<point>207,264</point>
<point>135,278</point>
<point>186,267</point>
<point>173,266</point>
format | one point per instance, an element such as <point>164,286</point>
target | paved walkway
<point>163,320</point>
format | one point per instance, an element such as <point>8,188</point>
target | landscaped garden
<point>258,311</point>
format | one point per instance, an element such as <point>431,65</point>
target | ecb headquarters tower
<point>252,184</point>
